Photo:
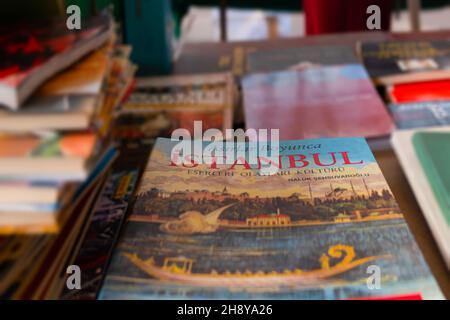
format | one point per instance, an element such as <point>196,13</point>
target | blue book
<point>322,225</point>
<point>421,114</point>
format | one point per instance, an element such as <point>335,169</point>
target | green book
<point>432,152</point>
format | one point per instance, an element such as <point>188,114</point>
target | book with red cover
<point>30,54</point>
<point>331,101</point>
<point>420,91</point>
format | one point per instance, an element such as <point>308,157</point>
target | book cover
<point>313,230</point>
<point>330,101</point>
<point>118,84</point>
<point>160,105</point>
<point>68,113</point>
<point>392,62</point>
<point>420,91</point>
<point>79,145</point>
<point>299,57</point>
<point>421,114</point>
<point>85,77</point>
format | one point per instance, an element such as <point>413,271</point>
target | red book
<point>412,296</point>
<point>31,54</point>
<point>332,101</point>
<point>420,91</point>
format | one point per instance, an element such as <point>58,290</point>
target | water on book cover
<point>326,226</point>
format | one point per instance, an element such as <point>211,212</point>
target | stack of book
<point>58,89</point>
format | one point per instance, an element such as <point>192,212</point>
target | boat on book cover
<point>228,231</point>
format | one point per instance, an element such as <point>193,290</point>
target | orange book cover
<point>69,145</point>
<point>85,77</point>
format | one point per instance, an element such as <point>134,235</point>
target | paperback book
<point>162,104</point>
<point>422,154</point>
<point>394,62</point>
<point>31,54</point>
<point>421,114</point>
<point>50,157</point>
<point>420,91</point>
<point>325,102</point>
<point>313,230</point>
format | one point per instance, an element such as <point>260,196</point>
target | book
<point>48,259</point>
<point>66,102</point>
<point>69,113</point>
<point>30,192</point>
<point>117,86</point>
<point>36,280</point>
<point>52,157</point>
<point>420,92</point>
<point>330,101</point>
<point>421,114</point>
<point>44,218</point>
<point>231,56</point>
<point>300,57</point>
<point>394,62</point>
<point>109,214</point>
<point>31,54</point>
<point>53,264</point>
<point>160,105</point>
<point>85,77</point>
<point>422,156</point>
<point>311,230</point>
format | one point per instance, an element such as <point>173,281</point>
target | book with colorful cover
<point>325,102</point>
<point>420,91</point>
<point>313,230</point>
<point>86,77</point>
<point>421,114</point>
<point>162,104</point>
<point>421,153</point>
<point>31,54</point>
<point>394,62</point>
<point>54,155</point>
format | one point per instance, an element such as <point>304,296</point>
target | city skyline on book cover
<point>311,231</point>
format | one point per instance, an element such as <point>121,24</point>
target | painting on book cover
<point>325,226</point>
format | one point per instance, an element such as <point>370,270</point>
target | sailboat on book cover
<point>313,230</point>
